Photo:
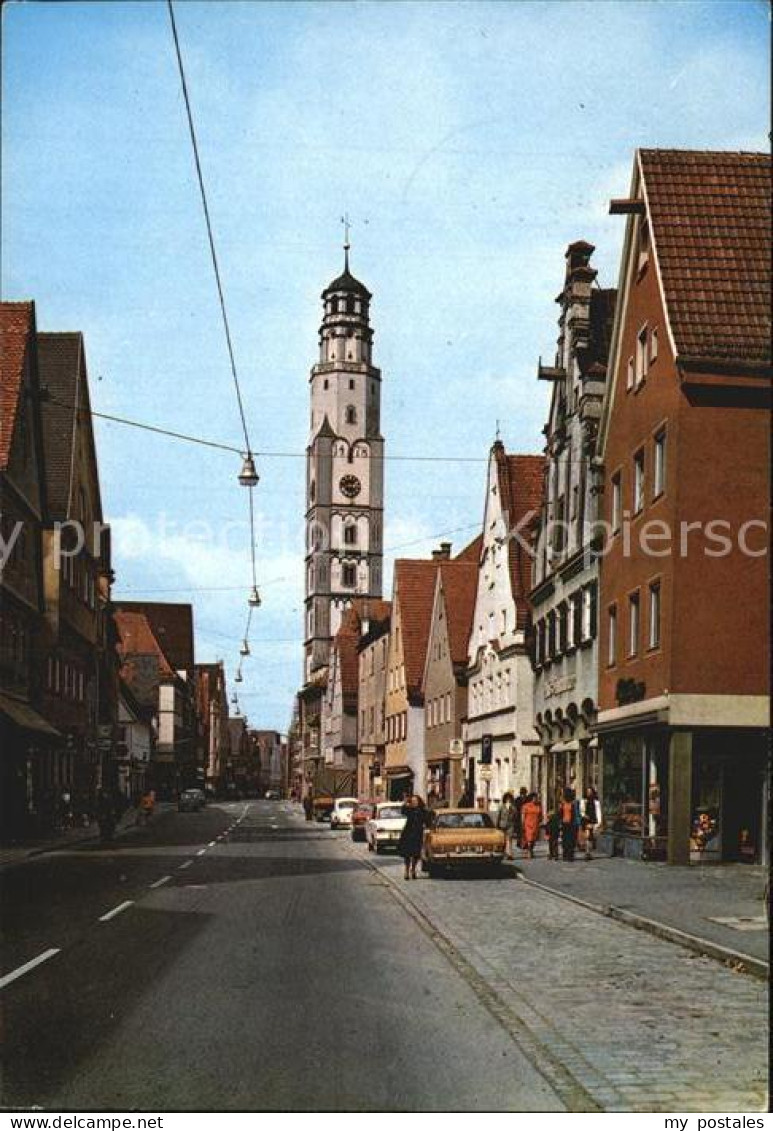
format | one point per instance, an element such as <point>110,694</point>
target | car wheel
<point>378,849</point>
<point>433,870</point>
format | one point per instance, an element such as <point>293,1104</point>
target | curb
<point>741,963</point>
<point>58,845</point>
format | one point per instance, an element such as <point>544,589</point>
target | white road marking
<point>201,852</point>
<point>187,864</point>
<point>212,844</point>
<point>116,911</point>
<point>21,970</point>
<point>163,880</point>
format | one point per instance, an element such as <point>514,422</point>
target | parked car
<point>360,816</point>
<point>190,801</point>
<point>384,827</point>
<point>459,837</point>
<point>322,807</point>
<point>341,814</point>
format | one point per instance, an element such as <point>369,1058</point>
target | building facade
<point>564,596</point>
<point>212,712</point>
<point>372,672</point>
<point>445,677</point>
<point>684,597</point>
<point>499,735</point>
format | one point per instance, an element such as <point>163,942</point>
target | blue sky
<point>469,143</point>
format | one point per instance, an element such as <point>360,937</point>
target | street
<point>241,959</point>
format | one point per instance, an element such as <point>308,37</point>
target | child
<point>552,827</point>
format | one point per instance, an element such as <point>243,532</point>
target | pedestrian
<point>106,816</point>
<point>590,819</point>
<point>531,819</point>
<point>570,822</point>
<point>523,793</point>
<point>308,807</point>
<point>412,836</point>
<point>146,807</point>
<point>506,821</point>
<point>553,830</point>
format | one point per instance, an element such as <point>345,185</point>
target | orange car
<point>459,837</point>
<point>362,813</point>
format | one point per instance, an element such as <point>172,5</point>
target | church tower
<point>344,467</point>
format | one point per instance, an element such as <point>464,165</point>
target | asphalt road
<point>241,959</point>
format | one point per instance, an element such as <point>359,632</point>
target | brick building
<point>684,603</point>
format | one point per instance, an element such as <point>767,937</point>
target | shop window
<point>654,615</point>
<point>659,469</point>
<point>623,773</point>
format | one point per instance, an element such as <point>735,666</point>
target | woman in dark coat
<point>412,836</point>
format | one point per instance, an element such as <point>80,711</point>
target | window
<point>641,355</point>
<point>612,635</point>
<point>615,514</point>
<point>629,374</point>
<point>576,627</point>
<point>638,481</point>
<point>504,621</point>
<point>349,576</point>
<point>563,627</point>
<point>541,642</point>
<point>351,384</point>
<point>350,534</point>
<point>575,500</point>
<point>351,414</point>
<point>654,636</point>
<point>633,624</point>
<point>653,345</point>
<point>551,651</point>
<point>589,612</point>
<point>326,384</point>
<point>644,245</point>
<point>659,470</point>
<point>448,706</point>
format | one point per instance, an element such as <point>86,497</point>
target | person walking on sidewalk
<point>106,816</point>
<point>146,807</point>
<point>531,819</point>
<point>523,793</point>
<point>553,830</point>
<point>590,818</point>
<point>412,836</point>
<point>570,822</point>
<point>506,821</point>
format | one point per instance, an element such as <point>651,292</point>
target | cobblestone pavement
<point>639,1023</point>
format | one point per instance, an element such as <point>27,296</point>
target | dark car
<point>190,801</point>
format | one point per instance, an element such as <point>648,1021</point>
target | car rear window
<point>389,813</point>
<point>463,821</point>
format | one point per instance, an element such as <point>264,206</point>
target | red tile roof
<point>459,580</point>
<point>415,591</point>
<point>17,323</point>
<point>520,490</point>
<point>172,624</point>
<point>136,638</point>
<point>346,640</point>
<point>710,222</point>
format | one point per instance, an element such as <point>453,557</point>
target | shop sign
<point>485,773</point>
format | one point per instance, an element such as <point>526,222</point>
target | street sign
<point>485,773</point>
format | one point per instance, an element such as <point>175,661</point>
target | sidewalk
<point>19,853</point>
<point>714,908</point>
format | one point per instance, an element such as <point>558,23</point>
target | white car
<point>341,814</point>
<point>384,828</point>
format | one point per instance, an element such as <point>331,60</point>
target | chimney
<point>443,554</point>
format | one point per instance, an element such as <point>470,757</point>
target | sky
<point>469,143</point>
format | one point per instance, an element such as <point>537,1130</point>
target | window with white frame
<point>611,634</point>
<point>629,372</point>
<point>654,617</point>
<point>642,359</point>
<point>653,344</point>
<point>616,502</point>
<point>638,481</point>
<point>659,469</point>
<point>633,623</point>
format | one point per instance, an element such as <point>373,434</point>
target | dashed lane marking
<point>159,883</point>
<point>25,969</point>
<point>212,844</point>
<point>201,852</point>
<point>116,911</point>
<point>187,864</point>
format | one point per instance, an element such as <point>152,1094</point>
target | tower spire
<point>347,245</point>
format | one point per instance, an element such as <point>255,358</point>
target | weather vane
<point>347,245</point>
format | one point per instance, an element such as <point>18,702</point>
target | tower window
<point>350,304</point>
<point>351,414</point>
<point>351,383</point>
<point>326,384</point>
<point>349,576</point>
<point>350,535</point>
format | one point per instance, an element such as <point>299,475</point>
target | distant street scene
<point>384,557</point>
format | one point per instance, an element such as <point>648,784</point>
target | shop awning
<point>399,771</point>
<point>23,716</point>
